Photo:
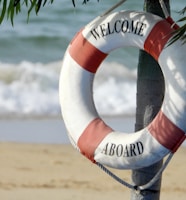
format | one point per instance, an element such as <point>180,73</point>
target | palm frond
<point>12,7</point>
<point>182,12</point>
<point>180,33</point>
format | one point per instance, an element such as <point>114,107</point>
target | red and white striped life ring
<point>87,131</point>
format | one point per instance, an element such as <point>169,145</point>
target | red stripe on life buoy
<point>92,136</point>
<point>167,133</point>
<point>158,37</point>
<point>85,54</point>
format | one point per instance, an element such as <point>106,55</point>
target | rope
<point>113,7</point>
<point>158,174</point>
<point>106,170</point>
<point>123,182</point>
<point>164,8</point>
<point>141,187</point>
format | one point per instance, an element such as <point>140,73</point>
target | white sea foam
<point>31,89</point>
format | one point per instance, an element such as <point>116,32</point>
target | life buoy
<point>87,131</point>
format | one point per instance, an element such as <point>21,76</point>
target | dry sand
<point>58,172</point>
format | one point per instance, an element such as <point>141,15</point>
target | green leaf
<point>73,2</point>
<point>182,19</point>
<point>38,6</point>
<point>3,11</point>
<point>179,34</point>
<point>33,3</point>
<point>44,3</point>
<point>10,12</point>
<point>182,12</point>
<point>18,8</point>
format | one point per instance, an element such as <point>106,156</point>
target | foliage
<point>180,33</point>
<point>12,7</point>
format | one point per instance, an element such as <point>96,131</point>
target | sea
<point>31,56</point>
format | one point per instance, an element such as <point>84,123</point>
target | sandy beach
<point>57,171</point>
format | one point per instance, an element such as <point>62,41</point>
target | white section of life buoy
<point>87,131</point>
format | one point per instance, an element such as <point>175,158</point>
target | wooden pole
<point>150,93</point>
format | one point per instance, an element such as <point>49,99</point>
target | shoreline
<point>49,130</point>
<point>52,130</point>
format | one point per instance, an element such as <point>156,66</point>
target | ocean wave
<point>31,89</point>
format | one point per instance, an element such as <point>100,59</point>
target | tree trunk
<point>150,93</point>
